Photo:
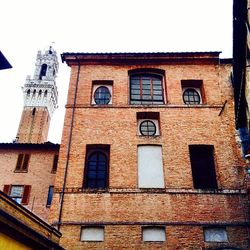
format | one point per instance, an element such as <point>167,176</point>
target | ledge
<point>171,191</point>
<point>142,106</point>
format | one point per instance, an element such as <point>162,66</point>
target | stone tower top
<point>41,91</point>
<point>40,99</point>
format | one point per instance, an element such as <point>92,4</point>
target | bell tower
<point>40,99</point>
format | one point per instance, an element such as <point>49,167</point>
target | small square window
<point>215,234</point>
<point>102,92</point>
<point>153,234</point>
<point>92,234</point>
<point>192,93</point>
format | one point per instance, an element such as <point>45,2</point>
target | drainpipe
<point>68,150</point>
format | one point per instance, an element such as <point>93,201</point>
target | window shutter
<point>26,195</point>
<point>26,162</point>
<point>6,189</point>
<point>19,162</point>
<point>55,162</point>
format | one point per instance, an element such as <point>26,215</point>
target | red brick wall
<point>39,176</point>
<point>33,128</point>
<point>180,126</point>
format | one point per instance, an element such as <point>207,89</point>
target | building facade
<point>148,158</point>
<point>30,161</point>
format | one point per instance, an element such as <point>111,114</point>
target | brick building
<point>148,158</point>
<point>30,162</point>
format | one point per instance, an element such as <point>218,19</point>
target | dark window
<point>96,167</point>
<point>33,111</point>
<point>102,95</point>
<point>55,162</point>
<point>28,93</point>
<point>50,195</point>
<point>19,193</point>
<point>43,71</point>
<point>146,89</point>
<point>203,168</point>
<point>45,93</point>
<point>22,162</point>
<point>148,128</point>
<point>40,92</point>
<point>191,96</point>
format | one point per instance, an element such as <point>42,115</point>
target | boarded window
<point>22,162</point>
<point>150,167</point>
<point>215,234</point>
<point>92,234</point>
<point>203,168</point>
<point>153,234</point>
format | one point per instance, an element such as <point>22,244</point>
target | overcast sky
<point>99,26</point>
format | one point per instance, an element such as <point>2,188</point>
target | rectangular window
<point>22,162</point>
<point>92,234</point>
<point>146,89</point>
<point>153,234</point>
<point>19,193</point>
<point>55,162</point>
<point>50,195</point>
<point>96,166</point>
<point>203,167</point>
<point>150,167</point>
<point>215,234</point>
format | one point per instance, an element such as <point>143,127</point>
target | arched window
<point>40,92</point>
<point>96,173</point>
<point>28,93</point>
<point>34,111</point>
<point>43,71</point>
<point>45,93</point>
<point>34,92</point>
<point>146,88</point>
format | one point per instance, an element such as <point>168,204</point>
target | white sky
<point>99,26</point>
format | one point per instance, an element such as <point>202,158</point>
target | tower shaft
<point>40,99</point>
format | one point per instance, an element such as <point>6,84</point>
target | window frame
<point>148,72</point>
<point>214,228</point>
<point>90,150</point>
<point>108,92</point>
<point>50,196</point>
<point>144,169</point>
<point>196,91</point>
<point>92,226</point>
<point>25,194</point>
<point>209,152</point>
<point>22,163</point>
<point>101,83</point>
<point>148,121</point>
<point>195,84</point>
<point>153,227</point>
